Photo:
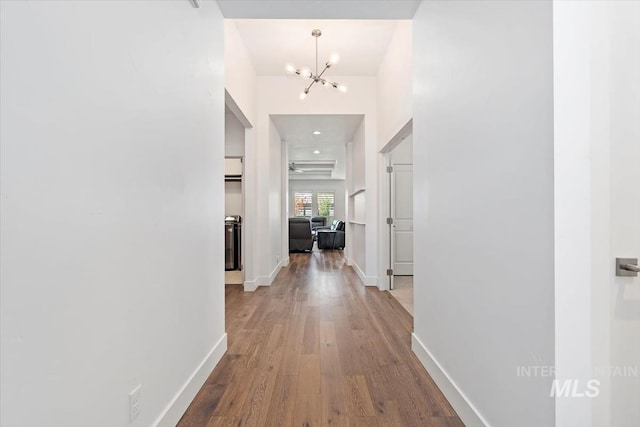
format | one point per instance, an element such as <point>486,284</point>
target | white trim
<point>469,415</point>
<point>268,280</point>
<point>250,285</point>
<point>262,281</point>
<point>285,262</point>
<point>181,401</point>
<point>366,280</point>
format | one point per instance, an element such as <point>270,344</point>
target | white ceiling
<point>297,129</point>
<point>272,44</point>
<point>333,9</point>
<point>336,131</point>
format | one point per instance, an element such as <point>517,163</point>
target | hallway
<point>318,348</point>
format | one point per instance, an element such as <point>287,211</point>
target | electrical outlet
<point>135,405</point>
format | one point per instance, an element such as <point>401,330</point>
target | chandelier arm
<point>325,69</point>
<point>309,87</point>
<point>317,77</point>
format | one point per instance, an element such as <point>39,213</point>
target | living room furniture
<point>332,237</point>
<point>300,236</point>
<point>318,221</point>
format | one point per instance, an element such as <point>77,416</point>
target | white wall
<point>280,95</point>
<point>233,198</point>
<point>277,173</point>
<point>356,231</point>
<point>240,74</point>
<point>336,186</point>
<point>483,205</point>
<point>395,84</point>
<point>572,111</point>
<point>111,170</point>
<point>395,110</point>
<point>403,153</point>
<point>240,83</point>
<point>358,163</point>
<point>233,136</point>
<point>597,104</point>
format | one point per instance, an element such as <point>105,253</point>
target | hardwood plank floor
<point>318,348</point>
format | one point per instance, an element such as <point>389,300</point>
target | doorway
<point>397,196</point>
<point>400,171</point>
<point>234,196</point>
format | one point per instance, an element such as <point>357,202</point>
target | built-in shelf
<point>357,207</point>
<point>358,191</point>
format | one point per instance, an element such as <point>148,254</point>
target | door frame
<point>385,254</point>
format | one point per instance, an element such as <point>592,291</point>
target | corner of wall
<point>366,280</point>
<point>268,280</point>
<point>181,401</point>
<point>465,410</point>
<point>250,285</point>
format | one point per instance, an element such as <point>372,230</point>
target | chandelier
<point>305,72</point>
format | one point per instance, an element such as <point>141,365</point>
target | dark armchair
<point>318,221</point>
<point>332,237</point>
<point>300,237</point>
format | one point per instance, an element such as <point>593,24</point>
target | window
<point>326,205</point>
<point>302,204</point>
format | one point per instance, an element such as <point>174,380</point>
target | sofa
<point>300,237</point>
<point>332,237</point>
<point>318,221</point>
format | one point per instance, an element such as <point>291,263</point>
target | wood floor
<point>318,348</point>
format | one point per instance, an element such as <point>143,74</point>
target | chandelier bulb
<point>290,69</point>
<point>305,72</point>
<point>342,88</point>
<point>303,95</point>
<point>334,59</point>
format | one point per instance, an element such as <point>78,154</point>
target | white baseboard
<point>268,280</point>
<point>465,410</point>
<point>181,401</point>
<point>250,285</point>
<point>366,280</point>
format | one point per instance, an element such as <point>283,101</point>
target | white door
<point>402,228</point>
<point>624,131</point>
<point>402,208</point>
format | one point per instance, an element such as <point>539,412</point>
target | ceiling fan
<point>294,169</point>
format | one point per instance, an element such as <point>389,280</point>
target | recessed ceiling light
<point>316,152</point>
<point>316,132</point>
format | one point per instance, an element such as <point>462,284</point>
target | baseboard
<point>268,280</point>
<point>465,410</point>
<point>285,262</point>
<point>250,285</point>
<point>366,280</point>
<point>179,404</point>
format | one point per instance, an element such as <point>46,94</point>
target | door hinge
<point>389,221</point>
<point>390,272</point>
<point>389,169</point>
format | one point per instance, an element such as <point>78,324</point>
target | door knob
<point>627,267</point>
